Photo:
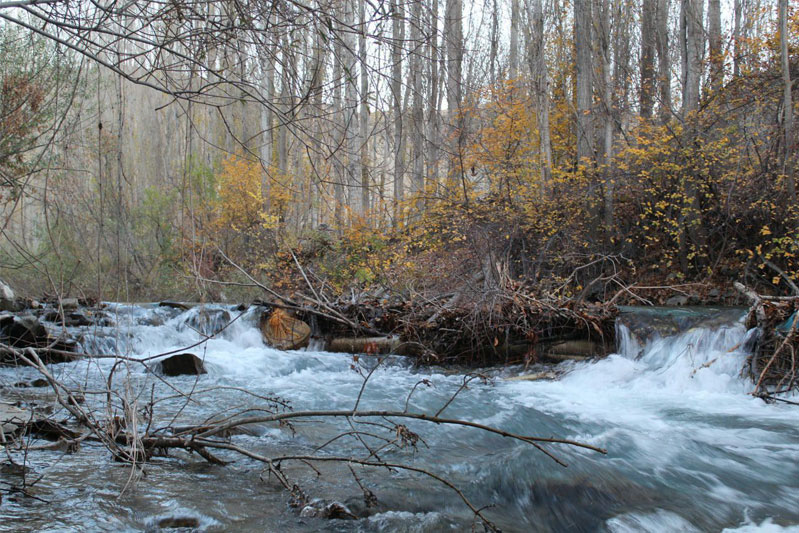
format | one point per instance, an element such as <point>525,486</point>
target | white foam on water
<point>674,413</point>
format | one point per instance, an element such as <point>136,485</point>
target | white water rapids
<point>688,448</point>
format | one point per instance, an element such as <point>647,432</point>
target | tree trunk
<point>608,119</point>
<point>664,59</point>
<point>737,38</point>
<point>285,107</point>
<point>363,123</point>
<point>513,52</point>
<point>692,44</point>
<point>648,44</point>
<point>267,119</point>
<point>540,75</point>
<point>714,41</point>
<point>583,81</point>
<point>417,134</point>
<point>339,129</point>
<point>787,104</point>
<point>454,40</point>
<point>351,101</point>
<point>434,88</point>
<point>494,42</point>
<point>398,38</point>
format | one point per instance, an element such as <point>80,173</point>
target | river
<point>688,448</point>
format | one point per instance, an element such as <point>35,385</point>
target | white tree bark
<point>692,45</point>
<point>363,123</point>
<point>583,81</point>
<point>397,48</point>
<point>787,103</point>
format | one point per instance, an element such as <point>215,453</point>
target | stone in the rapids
<point>182,364</point>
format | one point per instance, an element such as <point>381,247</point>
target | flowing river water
<point>688,448</point>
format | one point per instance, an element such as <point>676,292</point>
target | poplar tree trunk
<point>538,69</point>
<point>285,107</point>
<point>714,42</point>
<point>417,114</point>
<point>267,119</point>
<point>351,104</point>
<point>787,104</point>
<point>648,45</point>
<point>454,39</point>
<point>363,123</point>
<point>434,91</point>
<point>513,52</point>
<point>664,60</point>
<point>398,38</point>
<point>339,133</point>
<point>692,44</point>
<point>737,38</point>
<point>609,116</point>
<point>583,81</point>
<point>494,42</point>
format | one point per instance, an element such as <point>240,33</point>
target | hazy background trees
<point>142,143</point>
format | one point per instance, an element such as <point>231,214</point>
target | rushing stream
<point>688,448</point>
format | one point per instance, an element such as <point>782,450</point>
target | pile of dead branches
<point>773,365</point>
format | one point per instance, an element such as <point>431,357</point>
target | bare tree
<point>664,59</point>
<point>584,74</point>
<point>691,45</point>
<point>453,36</point>
<point>417,111</point>
<point>787,103</point>
<point>648,45</point>
<point>715,45</point>
<point>363,122</point>
<point>398,38</point>
<point>513,50</point>
<point>536,46</point>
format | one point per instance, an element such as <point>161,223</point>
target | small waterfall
<point>689,449</point>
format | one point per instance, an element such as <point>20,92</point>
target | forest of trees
<point>147,147</point>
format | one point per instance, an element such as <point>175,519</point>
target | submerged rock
<point>209,321</point>
<point>536,376</point>
<point>175,522</point>
<point>329,510</point>
<point>182,364</point>
<point>36,383</point>
<point>174,305</point>
<point>677,301</point>
<point>12,418</point>
<point>69,303</point>
<point>72,319</point>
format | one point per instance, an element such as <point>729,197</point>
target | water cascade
<point>688,448</point>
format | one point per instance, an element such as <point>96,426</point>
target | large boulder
<point>182,364</point>
<point>23,332</point>
<point>5,291</point>
<point>8,302</point>
<point>27,332</point>
<point>284,332</point>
